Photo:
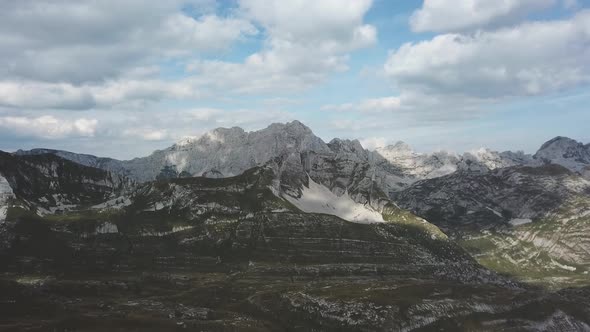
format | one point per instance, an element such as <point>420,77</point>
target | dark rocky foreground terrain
<point>271,271</point>
<point>257,301</point>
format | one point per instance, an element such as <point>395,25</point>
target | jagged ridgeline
<point>278,230</point>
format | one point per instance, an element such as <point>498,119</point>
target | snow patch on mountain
<point>520,221</point>
<point>115,203</point>
<point>175,229</point>
<point>494,211</point>
<point>563,266</point>
<point>316,198</point>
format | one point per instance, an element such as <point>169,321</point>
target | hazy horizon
<point>366,145</point>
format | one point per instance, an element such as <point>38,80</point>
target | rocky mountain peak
<point>229,151</point>
<point>296,125</point>
<point>566,152</point>
<point>346,145</point>
<point>232,135</point>
<point>293,128</point>
<point>399,148</point>
<point>560,142</point>
<point>484,159</point>
<point>402,146</point>
<point>233,131</point>
<point>186,140</point>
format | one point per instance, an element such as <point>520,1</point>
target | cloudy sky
<point>121,78</point>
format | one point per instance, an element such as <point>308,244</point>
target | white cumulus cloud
<point>532,58</point>
<point>48,127</point>
<point>146,134</point>
<point>89,41</point>
<point>305,41</point>
<point>460,15</point>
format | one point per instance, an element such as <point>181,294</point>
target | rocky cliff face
<point>228,152</point>
<point>421,166</point>
<point>108,164</point>
<point>465,199</point>
<point>6,195</point>
<point>428,166</point>
<point>47,183</point>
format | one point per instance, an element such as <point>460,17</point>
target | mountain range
<point>282,224</point>
<point>226,152</point>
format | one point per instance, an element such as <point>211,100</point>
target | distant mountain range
<point>225,152</point>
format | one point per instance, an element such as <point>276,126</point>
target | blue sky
<point>438,74</point>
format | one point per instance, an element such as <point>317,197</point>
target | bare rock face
<point>531,222</point>
<point>421,166</point>
<point>428,166</point>
<point>6,202</point>
<point>228,152</point>
<point>6,194</point>
<point>108,164</point>
<point>493,198</point>
<point>343,166</point>
<point>48,183</point>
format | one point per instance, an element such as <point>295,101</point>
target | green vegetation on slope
<point>554,251</point>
